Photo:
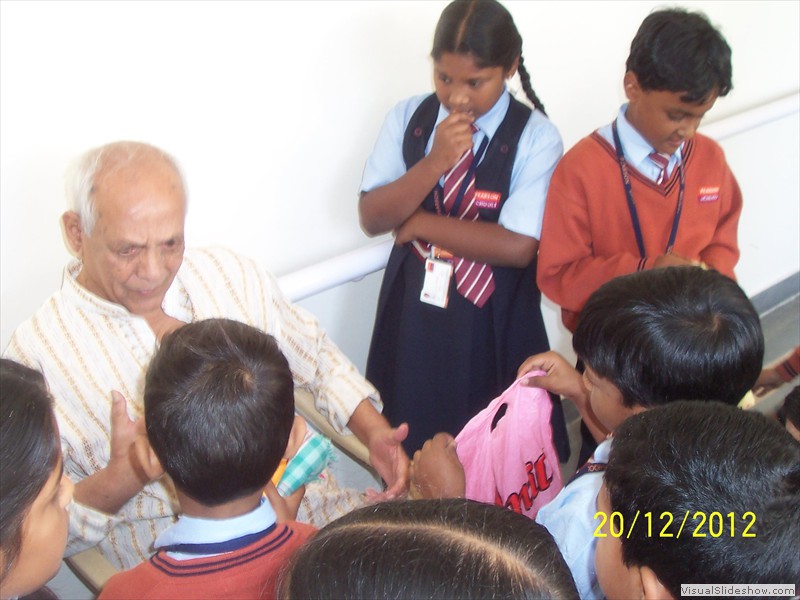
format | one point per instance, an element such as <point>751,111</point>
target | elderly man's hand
<point>386,454</point>
<point>128,469</point>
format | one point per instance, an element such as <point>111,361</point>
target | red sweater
<point>587,235</point>
<point>250,572</point>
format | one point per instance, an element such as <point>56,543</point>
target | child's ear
<point>632,88</point>
<point>652,586</point>
<point>147,458</point>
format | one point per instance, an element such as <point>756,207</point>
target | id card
<point>436,286</point>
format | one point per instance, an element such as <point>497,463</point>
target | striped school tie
<point>474,280</point>
<point>661,162</point>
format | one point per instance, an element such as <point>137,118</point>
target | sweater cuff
<point>790,368</point>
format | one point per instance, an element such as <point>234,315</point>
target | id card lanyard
<point>626,181</point>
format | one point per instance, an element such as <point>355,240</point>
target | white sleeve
<point>540,148</point>
<point>386,163</point>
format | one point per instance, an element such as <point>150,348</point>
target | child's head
<point>35,493</point>
<point>219,406</point>
<point>790,413</point>
<point>667,334</point>
<point>476,47</point>
<point>717,494</point>
<point>678,66</point>
<point>452,548</point>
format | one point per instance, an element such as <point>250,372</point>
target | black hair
<point>408,549</point>
<point>219,407</point>
<point>485,30</point>
<point>29,451</point>
<point>672,334</point>
<point>691,460</point>
<point>790,409</point>
<point>680,51</point>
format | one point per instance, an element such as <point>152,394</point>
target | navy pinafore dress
<point>437,368</point>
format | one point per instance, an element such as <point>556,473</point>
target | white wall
<point>272,108</point>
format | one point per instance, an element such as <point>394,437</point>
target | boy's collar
<point>195,530</point>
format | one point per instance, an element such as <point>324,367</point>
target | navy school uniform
<point>436,368</point>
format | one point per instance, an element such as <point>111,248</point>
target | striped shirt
<point>87,346</point>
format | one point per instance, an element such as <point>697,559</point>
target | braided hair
<point>485,30</point>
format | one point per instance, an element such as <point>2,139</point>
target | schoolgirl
<point>460,177</point>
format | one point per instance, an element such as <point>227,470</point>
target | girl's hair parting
<point>408,549</point>
<point>29,451</point>
<point>485,30</point>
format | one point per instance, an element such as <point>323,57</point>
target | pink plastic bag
<point>513,464</point>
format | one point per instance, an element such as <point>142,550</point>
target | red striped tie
<point>661,162</point>
<point>474,280</point>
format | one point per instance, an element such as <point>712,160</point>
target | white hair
<point>82,175</point>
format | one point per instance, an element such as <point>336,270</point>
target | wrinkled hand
<point>436,471</point>
<point>387,456</point>
<point>123,461</point>
<point>561,377</point>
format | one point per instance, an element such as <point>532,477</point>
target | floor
<point>781,327</point>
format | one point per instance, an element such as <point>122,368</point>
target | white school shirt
<point>196,530</point>
<point>539,150</point>
<point>569,518</point>
<point>636,149</point>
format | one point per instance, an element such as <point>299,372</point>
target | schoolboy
<point>717,493</point>
<point>219,410</point>
<point>646,339</point>
<point>595,229</point>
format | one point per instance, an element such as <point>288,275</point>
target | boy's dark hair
<point>485,30</point>
<point>680,51</point>
<point>672,334</point>
<point>452,548</point>
<point>29,451</point>
<point>219,407</point>
<point>693,460</point>
<point>790,410</point>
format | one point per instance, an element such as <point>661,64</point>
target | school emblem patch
<point>708,194</point>
<point>486,199</point>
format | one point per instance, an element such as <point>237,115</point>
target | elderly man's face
<point>137,244</point>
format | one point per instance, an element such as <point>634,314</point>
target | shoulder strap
<point>499,160</point>
<point>419,130</point>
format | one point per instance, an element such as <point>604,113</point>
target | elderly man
<point>132,284</point>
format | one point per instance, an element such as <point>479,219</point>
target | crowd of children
<point>638,245</point>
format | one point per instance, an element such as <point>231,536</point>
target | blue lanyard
<point>470,174</point>
<point>626,181</point>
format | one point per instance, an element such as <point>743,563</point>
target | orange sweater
<point>250,572</point>
<point>587,235</point>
